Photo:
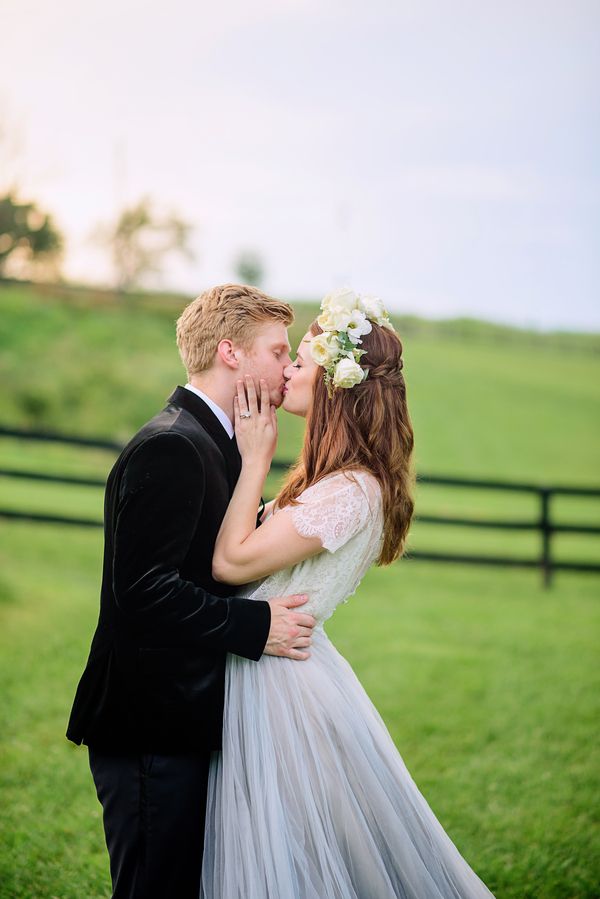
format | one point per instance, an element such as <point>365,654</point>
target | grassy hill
<point>486,401</point>
<point>488,683</point>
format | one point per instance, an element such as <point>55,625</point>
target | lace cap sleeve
<point>336,508</point>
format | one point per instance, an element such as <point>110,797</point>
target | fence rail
<point>543,524</point>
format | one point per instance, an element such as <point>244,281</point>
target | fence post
<point>545,525</point>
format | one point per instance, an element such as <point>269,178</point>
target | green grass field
<point>489,684</point>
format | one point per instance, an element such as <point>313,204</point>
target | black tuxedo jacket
<point>154,679</point>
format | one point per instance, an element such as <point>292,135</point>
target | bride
<point>309,797</point>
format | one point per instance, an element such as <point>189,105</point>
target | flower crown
<point>345,318</point>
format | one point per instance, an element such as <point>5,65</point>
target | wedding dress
<point>309,797</point>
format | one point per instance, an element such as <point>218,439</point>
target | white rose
<point>342,298</point>
<point>334,318</point>
<point>373,308</point>
<point>325,321</point>
<point>347,373</point>
<point>324,348</point>
<point>358,326</point>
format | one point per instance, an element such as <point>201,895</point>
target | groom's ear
<point>228,354</point>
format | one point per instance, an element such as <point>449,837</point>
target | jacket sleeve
<point>158,508</point>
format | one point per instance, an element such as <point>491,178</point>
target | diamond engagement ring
<point>245,414</point>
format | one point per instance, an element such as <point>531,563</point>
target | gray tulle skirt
<point>310,799</point>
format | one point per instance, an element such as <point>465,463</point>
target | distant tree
<point>141,240</point>
<point>29,239</point>
<point>249,268</point>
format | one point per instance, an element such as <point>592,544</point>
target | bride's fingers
<point>251,391</point>
<point>236,411</point>
<point>241,396</point>
<point>264,398</point>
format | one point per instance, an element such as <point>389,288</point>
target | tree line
<point>140,241</point>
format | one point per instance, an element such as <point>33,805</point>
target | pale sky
<point>441,155</point>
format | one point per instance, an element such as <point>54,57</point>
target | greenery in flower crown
<point>345,318</point>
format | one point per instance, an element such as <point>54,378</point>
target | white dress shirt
<point>222,416</point>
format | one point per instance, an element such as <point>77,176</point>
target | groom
<point>149,704</point>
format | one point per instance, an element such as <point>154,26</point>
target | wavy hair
<point>363,427</point>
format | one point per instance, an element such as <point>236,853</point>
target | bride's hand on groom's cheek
<point>255,426</point>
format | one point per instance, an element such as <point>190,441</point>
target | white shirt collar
<point>222,416</point>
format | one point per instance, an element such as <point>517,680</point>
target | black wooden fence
<point>542,524</point>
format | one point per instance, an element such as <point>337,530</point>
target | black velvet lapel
<point>193,404</point>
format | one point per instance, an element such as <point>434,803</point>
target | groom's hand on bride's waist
<point>291,628</point>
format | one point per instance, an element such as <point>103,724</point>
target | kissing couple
<point>235,753</point>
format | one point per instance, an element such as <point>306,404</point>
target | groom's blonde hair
<point>230,311</point>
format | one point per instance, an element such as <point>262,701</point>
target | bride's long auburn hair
<point>363,427</point>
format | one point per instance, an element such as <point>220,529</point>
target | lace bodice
<point>345,511</point>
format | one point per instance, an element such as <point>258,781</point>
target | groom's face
<point>267,358</point>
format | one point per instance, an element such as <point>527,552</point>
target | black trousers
<point>154,809</point>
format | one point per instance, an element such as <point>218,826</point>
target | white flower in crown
<point>337,308</point>
<point>334,318</point>
<point>373,307</point>
<point>375,310</point>
<point>358,326</point>
<point>348,373</point>
<point>342,298</point>
<point>345,319</point>
<point>325,348</point>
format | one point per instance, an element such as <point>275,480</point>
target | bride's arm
<point>244,552</point>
